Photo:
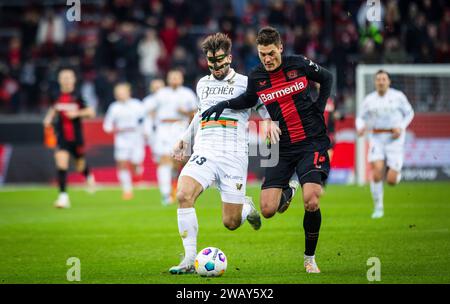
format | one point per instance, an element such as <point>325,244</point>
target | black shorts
<point>310,166</point>
<point>74,148</point>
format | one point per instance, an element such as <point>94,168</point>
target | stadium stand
<point>139,40</point>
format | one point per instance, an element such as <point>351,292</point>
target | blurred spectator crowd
<point>138,40</point>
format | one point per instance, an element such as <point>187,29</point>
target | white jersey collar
<point>230,75</point>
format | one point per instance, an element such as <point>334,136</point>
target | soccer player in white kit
<point>149,122</point>
<point>173,107</point>
<point>220,152</point>
<point>385,114</point>
<point>125,119</point>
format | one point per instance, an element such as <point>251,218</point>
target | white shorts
<point>384,147</point>
<point>129,146</point>
<point>134,154</point>
<point>166,136</point>
<point>229,172</point>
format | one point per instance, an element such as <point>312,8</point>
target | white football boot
<point>310,264</point>
<point>378,213</point>
<point>253,218</point>
<point>90,181</point>
<point>186,266</point>
<point>62,201</point>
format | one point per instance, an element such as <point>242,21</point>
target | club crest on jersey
<point>312,64</point>
<point>262,83</point>
<point>292,74</point>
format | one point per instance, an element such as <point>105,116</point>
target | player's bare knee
<point>80,166</point>
<point>185,198</point>
<point>391,181</point>
<point>231,223</point>
<point>311,200</point>
<point>393,178</point>
<point>268,210</point>
<point>377,177</point>
<point>268,213</point>
<point>312,205</point>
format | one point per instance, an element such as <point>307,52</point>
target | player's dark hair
<point>175,69</point>
<point>383,72</point>
<point>267,36</point>
<point>216,42</point>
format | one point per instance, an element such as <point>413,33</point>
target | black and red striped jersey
<point>286,93</point>
<point>68,130</point>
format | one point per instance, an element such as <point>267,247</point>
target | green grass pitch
<point>137,241</point>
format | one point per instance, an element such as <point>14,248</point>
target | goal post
<point>427,87</point>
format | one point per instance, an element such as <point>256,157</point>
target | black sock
<point>311,224</point>
<point>62,180</point>
<point>86,171</point>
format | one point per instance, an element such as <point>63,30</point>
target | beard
<point>224,74</point>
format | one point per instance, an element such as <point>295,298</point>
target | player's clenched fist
<point>179,150</point>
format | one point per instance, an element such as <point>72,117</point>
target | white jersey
<point>168,102</point>
<point>149,124</point>
<point>392,110</point>
<point>230,132</point>
<point>125,119</point>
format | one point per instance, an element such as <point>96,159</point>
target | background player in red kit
<point>282,83</point>
<point>68,108</point>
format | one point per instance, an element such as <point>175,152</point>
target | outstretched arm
<point>244,101</point>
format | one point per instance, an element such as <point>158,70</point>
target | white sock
<point>377,194</point>
<point>399,178</point>
<point>63,195</point>
<point>125,180</point>
<point>294,177</point>
<point>188,229</point>
<point>164,174</point>
<point>245,212</point>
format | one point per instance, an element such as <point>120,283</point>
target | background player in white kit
<point>220,152</point>
<point>125,119</point>
<point>149,122</point>
<point>173,107</point>
<point>385,113</point>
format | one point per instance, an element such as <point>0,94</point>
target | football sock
<point>188,228</point>
<point>246,208</point>
<point>86,171</point>
<point>311,224</point>
<point>399,178</point>
<point>62,180</point>
<point>164,174</point>
<point>125,180</point>
<point>377,193</point>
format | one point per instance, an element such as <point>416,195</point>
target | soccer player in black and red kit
<point>68,108</point>
<point>283,84</point>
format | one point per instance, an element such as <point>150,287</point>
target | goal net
<point>427,87</point>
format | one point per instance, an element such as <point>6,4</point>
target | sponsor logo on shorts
<point>238,186</point>
<point>236,177</point>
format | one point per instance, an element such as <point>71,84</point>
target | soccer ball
<point>210,262</point>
